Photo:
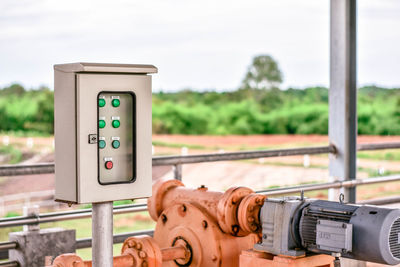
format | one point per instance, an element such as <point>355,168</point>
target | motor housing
<point>294,226</point>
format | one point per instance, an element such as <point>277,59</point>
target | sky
<point>202,45</point>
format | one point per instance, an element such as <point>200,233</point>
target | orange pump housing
<point>200,228</point>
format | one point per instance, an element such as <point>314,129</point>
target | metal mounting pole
<point>343,95</point>
<point>102,234</point>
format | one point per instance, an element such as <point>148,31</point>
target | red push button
<point>109,165</point>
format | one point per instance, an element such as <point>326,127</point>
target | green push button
<point>115,103</point>
<point>102,124</point>
<point>102,102</point>
<point>115,144</point>
<point>116,123</point>
<point>102,144</point>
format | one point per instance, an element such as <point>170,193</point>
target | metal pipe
<point>5,246</point>
<point>10,264</point>
<point>343,94</point>
<point>322,186</point>
<point>173,253</point>
<point>66,215</point>
<point>124,261</point>
<point>381,201</point>
<point>178,172</point>
<point>80,214</point>
<point>41,168</point>
<point>118,238</point>
<point>102,234</point>
<point>378,146</point>
<point>23,169</point>
<point>173,160</point>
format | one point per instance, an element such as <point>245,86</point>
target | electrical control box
<point>102,132</point>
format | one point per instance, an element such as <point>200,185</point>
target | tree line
<point>245,111</point>
<point>258,106</point>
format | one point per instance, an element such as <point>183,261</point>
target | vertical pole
<point>343,95</point>
<point>34,212</point>
<point>178,172</point>
<point>102,234</point>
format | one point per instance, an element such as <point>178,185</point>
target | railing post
<point>178,172</point>
<point>32,211</point>
<point>343,96</point>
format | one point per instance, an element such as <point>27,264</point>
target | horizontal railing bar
<point>378,146</point>
<point>381,201</point>
<point>79,214</point>
<point>50,214</point>
<point>62,216</point>
<point>7,245</point>
<point>118,238</point>
<point>9,263</point>
<point>173,160</point>
<point>26,169</point>
<point>322,186</point>
<point>41,168</point>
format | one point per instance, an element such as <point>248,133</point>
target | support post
<point>178,172</point>
<point>32,211</point>
<point>102,234</point>
<point>343,96</point>
<point>35,246</point>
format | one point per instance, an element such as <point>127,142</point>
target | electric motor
<point>294,226</point>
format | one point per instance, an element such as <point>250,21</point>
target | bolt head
<point>234,199</point>
<point>142,254</point>
<point>131,243</point>
<point>253,227</point>
<point>264,236</point>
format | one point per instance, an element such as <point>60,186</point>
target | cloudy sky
<point>204,44</point>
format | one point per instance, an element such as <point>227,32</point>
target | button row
<point>114,123</point>
<point>115,102</point>
<point>115,144</point>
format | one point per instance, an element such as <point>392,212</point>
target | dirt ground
<point>258,174</point>
<point>263,140</point>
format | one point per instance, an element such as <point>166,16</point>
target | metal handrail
<point>9,264</point>
<point>8,245</point>
<point>65,215</point>
<point>336,184</point>
<point>241,155</point>
<point>86,213</point>
<point>41,168</point>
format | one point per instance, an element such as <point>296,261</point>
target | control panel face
<point>116,146</point>
<point>103,132</point>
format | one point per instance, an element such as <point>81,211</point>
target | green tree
<point>263,73</point>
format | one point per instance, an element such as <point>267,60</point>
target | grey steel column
<point>102,234</point>
<point>343,94</point>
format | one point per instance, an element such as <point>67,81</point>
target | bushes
<point>26,111</point>
<point>245,111</point>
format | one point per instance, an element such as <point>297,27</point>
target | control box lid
<point>105,68</point>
